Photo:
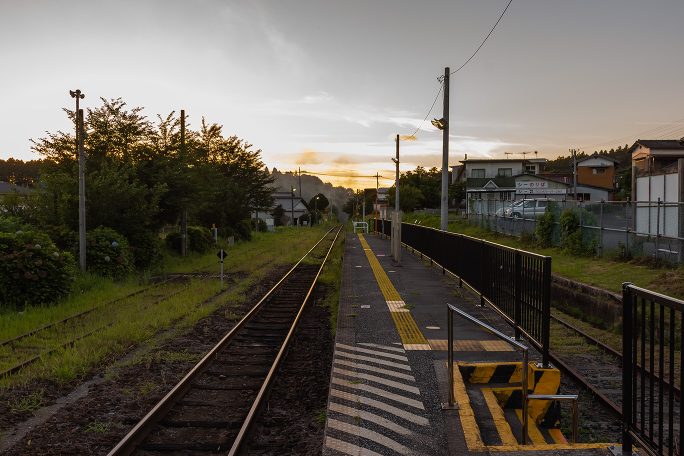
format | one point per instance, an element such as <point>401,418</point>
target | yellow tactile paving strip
<point>471,345</point>
<point>406,326</point>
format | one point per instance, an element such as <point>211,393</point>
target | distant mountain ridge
<point>311,186</point>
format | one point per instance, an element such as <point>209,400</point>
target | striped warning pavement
<point>375,405</point>
<point>406,326</point>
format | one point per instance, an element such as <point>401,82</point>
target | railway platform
<point>389,386</point>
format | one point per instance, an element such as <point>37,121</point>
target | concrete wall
<point>649,218</point>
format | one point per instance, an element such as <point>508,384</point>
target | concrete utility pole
<point>292,190</point>
<point>396,180</point>
<point>184,213</point>
<point>81,196</point>
<point>574,172</point>
<point>377,187</point>
<point>300,181</point>
<point>81,179</point>
<point>444,212</point>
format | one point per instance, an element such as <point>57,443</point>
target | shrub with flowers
<point>32,270</point>
<point>108,254</point>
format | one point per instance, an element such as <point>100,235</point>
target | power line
<point>347,175</point>
<point>656,131</point>
<point>441,86</point>
<point>483,41</point>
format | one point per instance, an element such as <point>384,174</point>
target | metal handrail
<point>561,397</point>
<point>524,349</point>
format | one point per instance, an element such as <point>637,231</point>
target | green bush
<point>32,270</point>
<point>146,249</point>
<point>571,232</point>
<point>11,224</point>
<point>199,239</point>
<point>243,230</point>
<point>107,253</point>
<point>543,232</point>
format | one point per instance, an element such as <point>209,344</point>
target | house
<point>493,183</point>
<point>293,206</point>
<point>596,173</point>
<point>658,187</point>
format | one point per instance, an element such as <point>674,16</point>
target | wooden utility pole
<point>574,172</point>
<point>396,179</point>
<point>444,209</point>
<point>184,211</point>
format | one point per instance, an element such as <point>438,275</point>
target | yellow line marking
<point>471,431</point>
<point>502,426</point>
<point>532,429</point>
<point>558,436</point>
<point>406,326</point>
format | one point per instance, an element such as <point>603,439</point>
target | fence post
<point>546,311</point>
<point>601,229</point>
<point>482,273</point>
<point>450,350</point>
<point>517,306</point>
<point>657,241</point>
<point>627,330</point>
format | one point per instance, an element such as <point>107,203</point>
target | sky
<point>326,85</point>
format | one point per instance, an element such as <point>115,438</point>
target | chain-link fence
<point>620,228</point>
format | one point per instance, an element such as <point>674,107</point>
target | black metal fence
<point>653,332</point>
<point>517,283</point>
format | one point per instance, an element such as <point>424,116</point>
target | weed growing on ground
<point>30,402</point>
<point>320,416</point>
<point>98,427</point>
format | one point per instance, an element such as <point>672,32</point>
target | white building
<point>658,175</point>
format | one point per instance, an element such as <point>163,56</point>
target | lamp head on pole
<point>439,123</point>
<point>76,94</point>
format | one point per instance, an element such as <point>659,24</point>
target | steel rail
<point>140,431</point>
<point>263,391</point>
<point>70,343</point>
<point>83,313</point>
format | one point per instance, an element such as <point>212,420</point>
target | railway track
<point>213,407</point>
<point>604,378</point>
<point>19,352</point>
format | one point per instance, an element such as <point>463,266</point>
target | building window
<point>531,169</point>
<point>505,172</point>
<point>584,196</point>
<point>505,196</point>
<point>599,170</point>
<point>477,172</point>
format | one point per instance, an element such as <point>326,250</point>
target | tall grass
<point>139,320</point>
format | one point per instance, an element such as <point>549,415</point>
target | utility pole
<point>299,174</point>
<point>395,243</point>
<point>574,172</point>
<point>81,179</point>
<point>184,213</point>
<point>396,179</point>
<point>444,212</point>
<point>81,196</point>
<point>292,190</point>
<point>377,188</point>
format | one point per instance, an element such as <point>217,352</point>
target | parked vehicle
<point>527,208</point>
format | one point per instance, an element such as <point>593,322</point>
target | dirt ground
<point>112,404</point>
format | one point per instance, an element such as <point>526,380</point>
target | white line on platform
<point>378,380</point>
<point>372,352</point>
<point>380,392</point>
<point>372,360</point>
<point>373,418</point>
<point>348,448</point>
<point>353,397</point>
<point>384,347</point>
<point>374,369</point>
<point>368,434</point>
<point>365,306</point>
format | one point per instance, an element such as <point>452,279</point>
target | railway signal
<point>221,254</point>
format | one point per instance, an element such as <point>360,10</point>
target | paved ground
<point>389,375</point>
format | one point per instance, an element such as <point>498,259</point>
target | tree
<point>410,197</point>
<point>317,205</point>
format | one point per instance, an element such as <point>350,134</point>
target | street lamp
<point>81,179</point>
<point>315,208</point>
<point>292,190</point>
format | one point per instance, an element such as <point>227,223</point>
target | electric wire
<point>441,86</point>
<point>483,41</point>
<point>347,175</point>
<point>656,131</point>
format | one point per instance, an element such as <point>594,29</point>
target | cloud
<point>308,157</point>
